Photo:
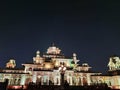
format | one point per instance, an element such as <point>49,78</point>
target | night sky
<point>91,29</point>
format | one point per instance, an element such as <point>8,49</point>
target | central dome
<point>53,50</point>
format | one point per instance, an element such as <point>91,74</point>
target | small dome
<point>74,55</point>
<point>85,64</point>
<point>38,52</point>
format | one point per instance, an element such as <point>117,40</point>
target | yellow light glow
<point>68,65</point>
<point>47,66</point>
<point>56,64</point>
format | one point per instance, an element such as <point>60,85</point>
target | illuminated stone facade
<point>112,78</point>
<point>45,70</point>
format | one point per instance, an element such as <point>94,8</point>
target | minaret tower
<point>75,60</point>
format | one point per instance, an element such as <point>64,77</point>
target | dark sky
<point>91,29</point>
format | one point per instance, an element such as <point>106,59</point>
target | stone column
<point>81,80</point>
<point>88,79</point>
<point>48,80</point>
<point>42,80</point>
<point>23,78</point>
<point>59,81</point>
<point>34,78</point>
<point>25,69</point>
<point>17,81</point>
<point>70,80</point>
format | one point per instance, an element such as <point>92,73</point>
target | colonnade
<point>79,80</point>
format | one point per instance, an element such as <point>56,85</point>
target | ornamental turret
<point>38,59</point>
<point>75,61</point>
<point>75,58</point>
